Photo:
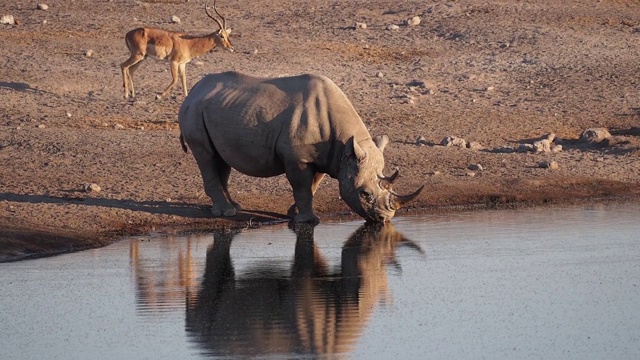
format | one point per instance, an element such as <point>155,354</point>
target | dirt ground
<point>494,72</point>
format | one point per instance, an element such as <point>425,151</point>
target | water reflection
<point>310,310</point>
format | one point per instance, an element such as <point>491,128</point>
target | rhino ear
<point>353,149</point>
<point>381,141</point>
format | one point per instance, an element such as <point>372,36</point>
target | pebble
<point>380,74</point>
<point>91,187</point>
<point>42,126</point>
<point>118,127</point>
<point>475,167</point>
<point>594,135</point>
<point>42,7</point>
<point>453,141</point>
<point>548,165</point>
<point>421,141</point>
<point>393,27</point>
<point>88,53</point>
<point>360,25</point>
<point>474,145</point>
<point>174,19</point>
<point>7,20</point>
<point>413,21</point>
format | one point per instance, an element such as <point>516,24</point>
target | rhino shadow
<point>305,310</point>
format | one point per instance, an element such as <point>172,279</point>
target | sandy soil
<point>499,73</point>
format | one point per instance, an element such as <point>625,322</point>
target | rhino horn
<point>399,200</point>
<point>386,181</point>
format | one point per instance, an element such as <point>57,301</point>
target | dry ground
<point>496,72</point>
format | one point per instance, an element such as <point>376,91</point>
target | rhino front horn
<point>400,200</point>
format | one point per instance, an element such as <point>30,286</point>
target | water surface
<point>535,283</point>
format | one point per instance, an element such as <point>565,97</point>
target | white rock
<point>174,19</point>
<point>91,187</point>
<point>474,145</point>
<point>88,53</point>
<point>380,74</point>
<point>42,7</point>
<point>360,25</point>
<point>198,63</point>
<point>542,146</point>
<point>68,114</point>
<point>413,21</point>
<point>118,127</point>
<point>7,20</point>
<point>595,135</point>
<point>42,126</point>
<point>453,141</point>
<point>393,27</point>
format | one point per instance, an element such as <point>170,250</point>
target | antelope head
<point>221,37</point>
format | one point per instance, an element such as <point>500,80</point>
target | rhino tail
<point>185,148</point>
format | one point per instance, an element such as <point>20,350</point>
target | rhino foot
<point>307,218</point>
<point>225,212</point>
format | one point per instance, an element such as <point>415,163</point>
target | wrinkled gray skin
<point>302,126</point>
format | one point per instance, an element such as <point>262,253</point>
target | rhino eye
<point>366,195</point>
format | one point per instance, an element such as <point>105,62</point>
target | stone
<point>548,164</point>
<point>42,7</point>
<point>595,135</point>
<point>474,145</point>
<point>542,146</point>
<point>523,148</point>
<point>393,27</point>
<point>413,21</point>
<point>118,127</point>
<point>380,74</point>
<point>7,20</point>
<point>174,19</point>
<point>453,141</point>
<point>360,25</point>
<point>91,187</point>
<point>475,167</point>
<point>421,141</point>
<point>556,148</point>
<point>88,53</point>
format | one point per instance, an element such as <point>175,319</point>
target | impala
<point>178,48</point>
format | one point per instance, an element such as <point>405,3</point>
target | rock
<point>453,141</point>
<point>68,114</point>
<point>556,148</point>
<point>595,135</point>
<point>523,148</point>
<point>489,88</point>
<point>475,167</point>
<point>91,187</point>
<point>504,150</point>
<point>7,20</point>
<point>360,25</point>
<point>118,127</point>
<point>436,173</point>
<point>474,145</point>
<point>41,126</point>
<point>421,141</point>
<point>88,53</point>
<point>380,74</point>
<point>470,174</point>
<point>550,137</point>
<point>393,27</point>
<point>174,19</point>
<point>542,146</point>
<point>254,52</point>
<point>198,63</point>
<point>42,7</point>
<point>548,164</point>
<point>413,21</point>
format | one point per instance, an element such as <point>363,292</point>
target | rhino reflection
<point>309,311</point>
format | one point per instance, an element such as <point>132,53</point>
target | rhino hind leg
<point>215,175</point>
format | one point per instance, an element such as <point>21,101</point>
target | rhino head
<point>362,184</point>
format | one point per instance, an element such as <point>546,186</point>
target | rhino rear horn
<point>400,200</point>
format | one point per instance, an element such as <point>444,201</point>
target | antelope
<point>177,48</point>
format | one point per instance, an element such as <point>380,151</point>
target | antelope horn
<point>386,181</point>
<point>216,20</point>
<point>224,21</point>
<point>399,200</point>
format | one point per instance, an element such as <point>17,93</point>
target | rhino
<point>303,126</point>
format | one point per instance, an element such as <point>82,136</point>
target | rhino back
<point>260,124</point>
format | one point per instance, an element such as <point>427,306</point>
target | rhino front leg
<point>215,174</point>
<point>301,177</point>
<point>317,178</point>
